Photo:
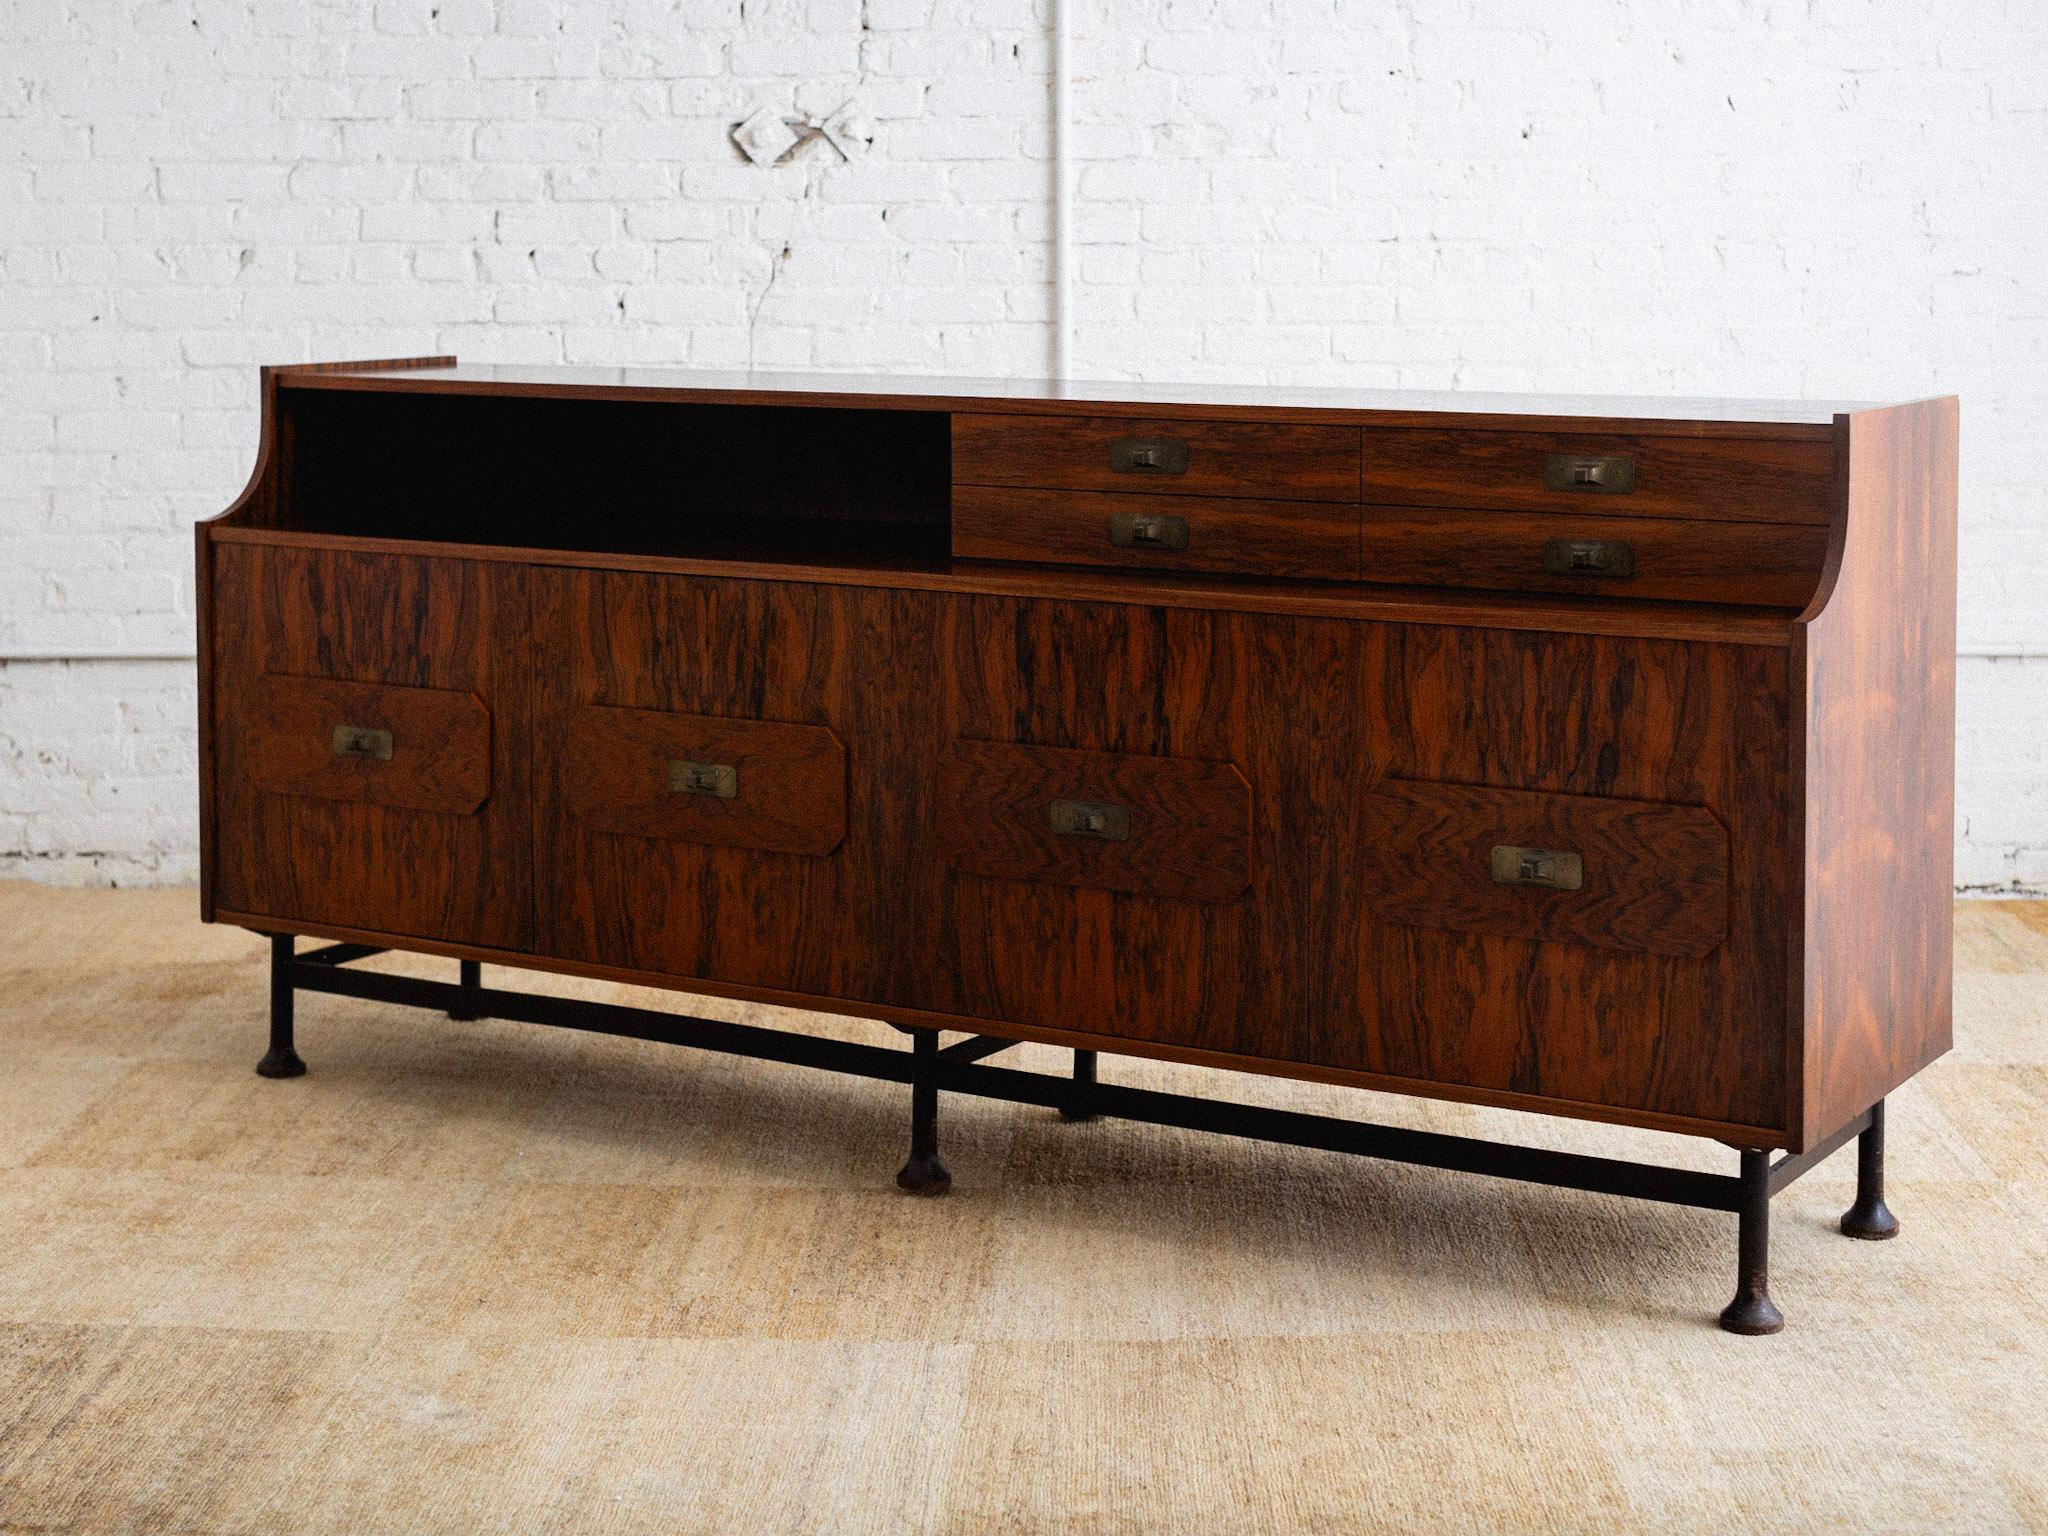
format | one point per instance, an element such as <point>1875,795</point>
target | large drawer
<point>1158,826</point>
<point>1581,869</point>
<point>706,779</point>
<point>1190,533</point>
<point>1768,564</point>
<point>1771,480</point>
<point>1183,458</point>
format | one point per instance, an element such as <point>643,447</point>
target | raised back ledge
<point>1626,618</point>
<point>1642,415</point>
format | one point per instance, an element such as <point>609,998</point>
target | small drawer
<point>1155,457</point>
<point>1765,480</point>
<point>415,749</point>
<point>1154,826</point>
<point>1190,533</point>
<point>1576,869</point>
<point>704,779</point>
<point>1767,564</point>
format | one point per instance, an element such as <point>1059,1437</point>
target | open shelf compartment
<point>681,479</point>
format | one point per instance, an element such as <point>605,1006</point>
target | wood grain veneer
<point>440,754</point>
<point>1715,624</point>
<point>1873,666</point>
<point>839,915</point>
<point>386,625</point>
<point>1223,458</point>
<point>1187,836</point>
<point>1770,564</point>
<point>1754,760</point>
<point>1655,877</point>
<point>788,789</point>
<point>1232,535</point>
<point>1714,479</point>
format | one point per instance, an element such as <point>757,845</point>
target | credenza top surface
<point>1763,418</point>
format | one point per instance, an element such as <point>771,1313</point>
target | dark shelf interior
<point>769,483</point>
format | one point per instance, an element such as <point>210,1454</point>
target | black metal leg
<point>1870,1217</point>
<point>1752,1311</point>
<point>1080,1106</point>
<point>281,1060</point>
<point>472,978</point>
<point>924,1174</point>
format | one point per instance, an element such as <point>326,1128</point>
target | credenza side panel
<point>434,839</point>
<point>1877,675</point>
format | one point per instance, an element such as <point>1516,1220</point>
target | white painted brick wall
<point>1834,197</point>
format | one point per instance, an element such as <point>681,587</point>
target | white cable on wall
<point>1062,197</point>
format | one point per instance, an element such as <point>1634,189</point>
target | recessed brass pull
<point>1148,530</point>
<point>1545,868</point>
<point>1589,557</point>
<point>362,742</point>
<point>1584,472</point>
<point>1149,456</point>
<point>688,778</point>
<point>1091,818</point>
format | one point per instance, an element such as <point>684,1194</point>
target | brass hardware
<point>362,742</point>
<point>1149,456</point>
<point>1091,818</point>
<point>688,778</point>
<point>1581,472</point>
<point>1148,530</point>
<point>1589,557</point>
<point>1547,868</point>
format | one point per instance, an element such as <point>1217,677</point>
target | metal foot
<point>1870,1217</point>
<point>281,1060</point>
<point>472,978</point>
<point>1078,1108</point>
<point>1752,1310</point>
<point>924,1174</point>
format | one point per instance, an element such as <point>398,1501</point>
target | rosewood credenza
<point>1587,757</point>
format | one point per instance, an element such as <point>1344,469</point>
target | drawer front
<point>1158,456</point>
<point>421,749</point>
<point>704,779</point>
<point>373,743</point>
<point>1157,826</point>
<point>687,830</point>
<point>1655,989</point>
<point>1768,564</point>
<point>1190,533</point>
<point>1575,869</point>
<point>1769,480</point>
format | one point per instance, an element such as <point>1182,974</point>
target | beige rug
<point>495,1278</point>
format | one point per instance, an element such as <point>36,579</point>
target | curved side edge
<point>256,506</point>
<point>1873,770</point>
<point>252,494</point>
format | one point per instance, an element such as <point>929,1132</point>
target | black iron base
<point>930,1067</point>
<point>1080,1103</point>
